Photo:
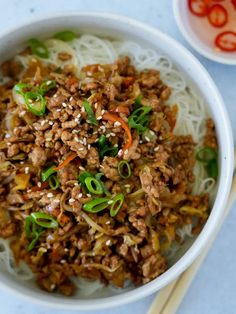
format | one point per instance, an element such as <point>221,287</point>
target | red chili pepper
<point>198,7</point>
<point>226,41</point>
<point>217,15</point>
<point>234,3</point>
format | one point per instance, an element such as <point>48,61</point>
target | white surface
<point>213,289</point>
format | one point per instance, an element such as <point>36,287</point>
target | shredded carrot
<point>66,161</point>
<point>115,118</point>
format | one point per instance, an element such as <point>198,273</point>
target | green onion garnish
<point>46,86</point>
<point>124,169</point>
<point>90,113</point>
<point>33,232</point>
<point>35,102</point>
<point>83,176</point>
<point>65,35</point>
<point>98,177</point>
<point>208,156</point>
<point>93,185</point>
<point>139,119</point>
<point>53,182</point>
<point>96,205</point>
<point>105,148</point>
<point>38,48</point>
<point>44,220</point>
<point>116,204</point>
<point>46,173</point>
<point>137,102</point>
<point>20,87</point>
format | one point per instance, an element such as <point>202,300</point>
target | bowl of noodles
<point>116,160</point>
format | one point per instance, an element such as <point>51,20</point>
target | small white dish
<point>198,32</point>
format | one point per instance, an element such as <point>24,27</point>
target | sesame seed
<point>71,98</point>
<point>21,162</point>
<point>63,105</point>
<point>48,82</point>
<point>151,132</point>
<point>50,122</point>
<point>107,222</point>
<point>49,195</point>
<point>80,149</point>
<point>43,122</point>
<point>127,185</point>
<point>80,195</point>
<point>76,184</point>
<point>53,286</point>
<point>113,134</point>
<point>147,139</point>
<point>70,107</point>
<point>156,148</point>
<point>63,261</point>
<point>117,124</point>
<point>99,118</point>
<point>89,146</point>
<point>89,195</point>
<point>103,111</point>
<point>108,242</point>
<point>41,193</point>
<point>110,202</point>
<point>54,96</point>
<point>126,152</point>
<point>58,110</point>
<point>8,143</point>
<point>82,109</point>
<point>96,140</point>
<point>39,184</point>
<point>71,200</point>
<point>79,115</point>
<point>76,139</point>
<point>116,145</point>
<point>7,135</point>
<point>66,249</point>
<point>101,166</point>
<point>22,113</point>
<point>140,142</point>
<point>56,200</point>
<point>81,168</point>
<point>85,141</point>
<point>108,135</point>
<point>120,153</point>
<point>96,105</point>
<point>27,170</point>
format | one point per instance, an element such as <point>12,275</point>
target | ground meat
<point>110,168</point>
<point>38,156</point>
<point>13,150</point>
<point>153,267</point>
<point>93,158</point>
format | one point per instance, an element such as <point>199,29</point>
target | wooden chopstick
<point>169,298</point>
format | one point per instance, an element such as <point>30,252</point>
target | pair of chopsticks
<point>169,298</point>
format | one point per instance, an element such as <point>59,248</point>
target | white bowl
<point>199,38</point>
<point>122,27</point>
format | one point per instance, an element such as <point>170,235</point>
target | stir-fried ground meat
<point>129,244</point>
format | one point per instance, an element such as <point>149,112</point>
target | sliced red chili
<point>198,7</point>
<point>226,41</point>
<point>217,15</point>
<point>234,3</point>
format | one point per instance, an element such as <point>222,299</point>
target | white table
<point>213,290</point>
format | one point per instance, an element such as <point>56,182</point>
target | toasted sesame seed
<point>147,139</point>
<point>110,202</point>
<point>39,184</point>
<point>96,140</point>
<point>66,249</point>
<point>54,96</point>
<point>41,193</point>
<point>63,105</point>
<point>101,166</point>
<point>151,132</point>
<point>127,185</point>
<point>50,122</point>
<point>22,113</point>
<point>8,143</point>
<point>27,170</point>
<point>81,168</point>
<point>117,124</point>
<point>48,82</point>
<point>71,200</point>
<point>113,134</point>
<point>89,195</point>
<point>58,110</point>
<point>7,135</point>
<point>80,195</point>
<point>63,261</point>
<point>49,195</point>
<point>108,242</point>
<point>76,184</point>
<point>79,115</point>
<point>82,109</point>
<point>108,135</point>
<point>116,145</point>
<point>76,139</point>
<point>156,148</point>
<point>71,98</point>
<point>53,286</point>
<point>85,141</point>
<point>70,107</point>
<point>99,118</point>
<point>140,142</point>
<point>96,105</point>
<point>43,122</point>
<point>126,152</point>
<point>120,153</point>
<point>56,200</point>
<point>80,149</point>
<point>89,146</point>
<point>103,111</point>
<point>107,222</point>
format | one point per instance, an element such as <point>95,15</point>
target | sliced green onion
<point>44,220</point>
<point>35,102</point>
<point>98,177</point>
<point>105,148</point>
<point>93,185</point>
<point>124,169</point>
<point>65,35</point>
<point>38,48</point>
<point>46,86</point>
<point>90,113</point>
<point>32,232</point>
<point>28,225</point>
<point>46,173</point>
<point>32,244</point>
<point>116,204</point>
<point>53,182</point>
<point>96,205</point>
<point>137,102</point>
<point>139,119</point>
<point>83,176</point>
<point>206,154</point>
<point>19,88</point>
<point>212,168</point>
